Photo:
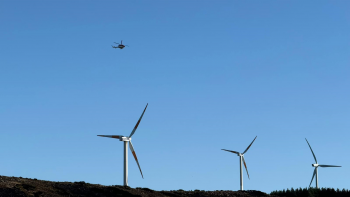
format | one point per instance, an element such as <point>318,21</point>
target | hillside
<point>17,186</point>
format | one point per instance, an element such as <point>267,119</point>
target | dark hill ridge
<point>14,186</point>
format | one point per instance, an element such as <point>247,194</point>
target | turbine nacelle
<point>315,165</point>
<point>125,139</point>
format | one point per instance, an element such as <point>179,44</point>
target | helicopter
<point>120,46</point>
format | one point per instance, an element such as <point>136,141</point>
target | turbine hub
<point>315,165</point>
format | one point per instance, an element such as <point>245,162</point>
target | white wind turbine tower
<point>241,158</point>
<point>316,165</point>
<point>126,140</point>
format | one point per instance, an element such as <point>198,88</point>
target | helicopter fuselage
<point>120,46</point>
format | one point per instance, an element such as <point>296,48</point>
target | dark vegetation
<point>312,192</point>
<point>23,187</point>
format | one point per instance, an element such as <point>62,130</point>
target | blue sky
<point>215,74</point>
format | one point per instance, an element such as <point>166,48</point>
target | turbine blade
<point>134,154</point>
<point>313,177</point>
<point>230,151</point>
<point>249,145</point>
<point>311,150</point>
<point>245,165</point>
<point>328,166</point>
<point>112,136</point>
<point>138,122</point>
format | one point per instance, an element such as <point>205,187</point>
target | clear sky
<point>215,74</point>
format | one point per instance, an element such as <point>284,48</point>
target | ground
<point>18,186</point>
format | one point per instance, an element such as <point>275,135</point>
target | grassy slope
<point>17,186</point>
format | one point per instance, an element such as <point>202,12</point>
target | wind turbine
<point>241,158</point>
<point>126,140</point>
<point>316,165</point>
